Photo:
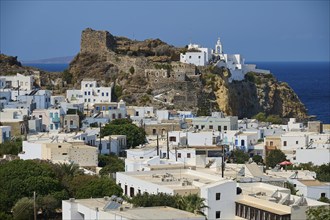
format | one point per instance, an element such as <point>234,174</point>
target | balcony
<point>56,120</point>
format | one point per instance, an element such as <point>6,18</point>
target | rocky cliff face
<point>148,72</point>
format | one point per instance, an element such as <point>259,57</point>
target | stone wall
<point>96,41</point>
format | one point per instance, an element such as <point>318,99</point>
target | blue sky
<point>259,30</point>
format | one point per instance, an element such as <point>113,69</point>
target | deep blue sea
<point>310,80</point>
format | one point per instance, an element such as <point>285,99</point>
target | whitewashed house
<point>51,118</point>
<point>89,93</point>
<point>219,193</point>
<point>65,152</point>
<point>197,55</point>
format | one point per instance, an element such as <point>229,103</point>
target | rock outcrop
<point>148,73</point>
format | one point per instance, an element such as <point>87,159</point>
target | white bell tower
<point>218,47</point>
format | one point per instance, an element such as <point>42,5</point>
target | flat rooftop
<point>177,179</point>
<point>264,205</point>
<point>157,212</point>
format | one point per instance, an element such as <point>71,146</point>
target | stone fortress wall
<point>96,41</point>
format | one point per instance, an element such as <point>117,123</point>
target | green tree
<point>135,135</point>
<point>239,156</point>
<point>5,216</point>
<point>98,187</point>
<point>318,213</point>
<point>257,159</point>
<point>19,178</point>
<point>324,199</point>
<point>290,186</point>
<point>274,119</point>
<point>323,173</point>
<point>150,200</point>
<point>110,164</point>
<point>274,157</point>
<point>23,209</point>
<point>261,116</point>
<point>67,76</point>
<point>11,147</point>
<point>48,204</point>
<point>117,93</point>
<point>131,70</point>
<point>193,203</point>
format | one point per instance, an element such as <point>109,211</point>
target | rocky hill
<point>148,73</point>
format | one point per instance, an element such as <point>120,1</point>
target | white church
<point>201,56</point>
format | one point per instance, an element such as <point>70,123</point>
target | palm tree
<point>192,203</point>
<point>70,169</point>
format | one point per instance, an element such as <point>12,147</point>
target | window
<point>210,126</point>
<point>154,131</point>
<point>65,122</point>
<point>103,108</point>
<point>64,153</point>
<point>225,128</point>
<point>51,114</point>
<point>102,93</point>
<point>271,143</point>
<point>90,85</point>
<point>179,155</point>
<point>136,113</point>
<point>107,94</point>
<point>56,126</point>
<point>322,194</point>
<point>217,214</point>
<point>284,143</point>
<point>109,108</point>
<point>219,128</point>
<point>97,108</point>
<point>89,100</point>
<point>172,138</point>
<point>51,126</point>
<point>296,142</point>
<point>189,57</point>
<point>199,57</point>
<point>86,85</point>
<point>71,122</point>
<point>202,126</point>
<point>85,93</point>
<point>217,196</point>
<point>119,115</point>
<point>89,93</point>
<point>188,155</point>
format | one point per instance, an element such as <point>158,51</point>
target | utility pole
<point>223,163</point>
<point>157,145</point>
<point>176,153</point>
<point>100,144</point>
<point>168,148</point>
<point>34,205</point>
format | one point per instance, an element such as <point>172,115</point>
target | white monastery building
<point>201,56</point>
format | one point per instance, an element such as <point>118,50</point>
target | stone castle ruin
<point>96,41</point>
